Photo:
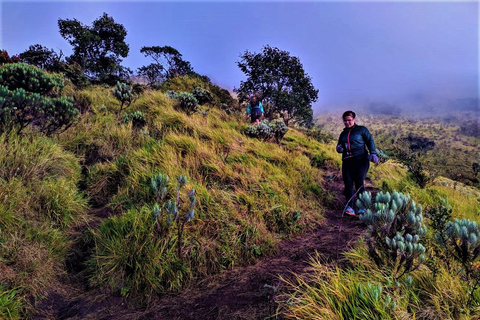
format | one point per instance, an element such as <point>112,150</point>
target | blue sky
<point>354,51</point>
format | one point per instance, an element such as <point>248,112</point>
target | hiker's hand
<point>339,148</point>
<point>374,158</point>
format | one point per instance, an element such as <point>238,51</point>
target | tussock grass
<point>136,261</point>
<point>337,294</point>
<point>39,202</point>
<point>363,290</point>
<point>34,159</point>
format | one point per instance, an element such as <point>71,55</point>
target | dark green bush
<point>203,96</point>
<point>28,95</point>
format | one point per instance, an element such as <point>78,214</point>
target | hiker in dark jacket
<point>355,143</point>
<point>255,110</point>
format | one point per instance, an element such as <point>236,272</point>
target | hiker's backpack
<point>257,111</point>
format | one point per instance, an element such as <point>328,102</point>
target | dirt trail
<point>234,294</point>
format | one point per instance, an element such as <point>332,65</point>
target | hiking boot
<point>350,211</point>
<point>361,211</point>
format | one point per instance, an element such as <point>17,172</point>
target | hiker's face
<point>254,99</point>
<point>348,121</point>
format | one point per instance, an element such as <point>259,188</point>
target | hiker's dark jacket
<point>355,142</point>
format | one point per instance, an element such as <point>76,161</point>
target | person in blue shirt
<point>255,110</point>
<point>357,148</point>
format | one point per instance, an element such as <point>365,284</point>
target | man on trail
<point>255,110</point>
<point>353,144</point>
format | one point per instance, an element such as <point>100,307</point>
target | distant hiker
<point>353,144</point>
<point>255,110</point>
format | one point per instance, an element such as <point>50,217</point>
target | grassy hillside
<point>81,202</point>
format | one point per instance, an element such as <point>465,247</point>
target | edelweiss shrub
<point>124,93</point>
<point>279,129</point>
<point>395,226</point>
<point>266,130</point>
<point>185,101</point>
<point>203,96</point>
<point>461,240</point>
<point>137,118</point>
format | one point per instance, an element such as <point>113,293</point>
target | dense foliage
<point>98,49</point>
<point>30,96</point>
<point>41,57</point>
<point>168,63</point>
<point>280,80</point>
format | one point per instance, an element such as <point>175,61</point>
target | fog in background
<point>388,56</point>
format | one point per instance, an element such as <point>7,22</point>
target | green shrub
<point>394,229</point>
<point>260,131</point>
<point>203,96</point>
<point>159,185</point>
<point>28,95</point>
<point>133,260</point>
<point>382,156</point>
<point>279,129</point>
<point>186,102</point>
<point>124,93</point>
<point>137,118</point>
<point>415,167</point>
<point>461,240</point>
<point>265,130</point>
<point>140,253</point>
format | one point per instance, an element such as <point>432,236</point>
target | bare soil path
<point>241,293</point>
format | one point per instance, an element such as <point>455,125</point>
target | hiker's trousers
<point>354,171</point>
